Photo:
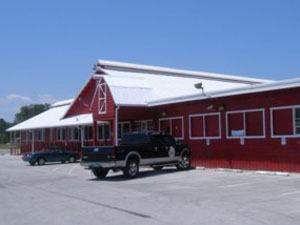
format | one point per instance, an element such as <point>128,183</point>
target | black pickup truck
<point>137,149</point>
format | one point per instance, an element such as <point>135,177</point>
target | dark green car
<point>51,155</point>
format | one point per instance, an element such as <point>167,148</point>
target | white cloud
<point>11,104</point>
<point>15,98</point>
<point>46,99</point>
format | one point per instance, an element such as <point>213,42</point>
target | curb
<point>258,172</point>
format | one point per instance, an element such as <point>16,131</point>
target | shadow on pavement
<point>142,175</point>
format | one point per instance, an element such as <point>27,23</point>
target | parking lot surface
<point>68,194</point>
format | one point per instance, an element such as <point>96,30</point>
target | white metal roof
<point>53,118</point>
<point>105,64</point>
<point>276,85</point>
<point>137,85</point>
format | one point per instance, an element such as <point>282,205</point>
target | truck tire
<point>100,173</point>
<point>32,163</point>
<point>41,161</point>
<point>185,162</point>
<point>132,168</point>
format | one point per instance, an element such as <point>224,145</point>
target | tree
<point>26,112</point>
<point>4,138</point>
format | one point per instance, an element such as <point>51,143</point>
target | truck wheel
<point>185,162</point>
<point>41,161</point>
<point>32,163</point>
<point>100,173</point>
<point>132,168</point>
<point>71,159</point>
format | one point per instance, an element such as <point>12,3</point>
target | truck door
<point>159,152</point>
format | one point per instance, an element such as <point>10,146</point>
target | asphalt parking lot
<point>67,194</point>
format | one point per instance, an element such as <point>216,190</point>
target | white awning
<point>52,118</point>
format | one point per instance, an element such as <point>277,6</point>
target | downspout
<point>116,125</point>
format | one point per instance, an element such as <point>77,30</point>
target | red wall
<point>264,153</point>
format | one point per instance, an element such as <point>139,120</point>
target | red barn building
<point>228,121</point>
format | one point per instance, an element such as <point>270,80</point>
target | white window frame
<point>103,131</point>
<point>294,135</point>
<point>122,125</point>
<point>144,121</point>
<point>170,120</point>
<point>86,132</point>
<point>72,137</point>
<point>204,115</point>
<point>102,101</point>
<point>244,123</point>
<point>61,134</point>
<point>42,138</point>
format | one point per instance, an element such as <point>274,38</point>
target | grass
<point>4,148</point>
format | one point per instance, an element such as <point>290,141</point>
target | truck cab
<point>152,149</point>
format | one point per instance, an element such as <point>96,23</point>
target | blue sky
<point>48,48</point>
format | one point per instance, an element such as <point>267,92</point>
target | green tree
<point>4,138</point>
<point>28,111</point>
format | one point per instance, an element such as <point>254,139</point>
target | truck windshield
<point>134,139</point>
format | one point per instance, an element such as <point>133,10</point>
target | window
<point>103,132</point>
<point>123,128</point>
<point>143,125</point>
<point>297,120</point>
<point>39,135</point>
<point>285,121</point>
<point>246,123</point>
<point>102,98</point>
<point>88,133</point>
<point>205,126</point>
<point>73,134</point>
<point>173,126</point>
<point>61,134</point>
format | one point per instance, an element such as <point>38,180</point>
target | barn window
<point>285,121</point>
<point>123,128</point>
<point>39,135</point>
<point>102,99</point>
<point>88,133</point>
<point>73,133</point>
<point>297,120</point>
<point>246,123</point>
<point>173,126</point>
<point>61,134</point>
<point>103,132</point>
<point>143,125</point>
<point>205,126</point>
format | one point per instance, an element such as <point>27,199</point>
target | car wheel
<point>185,162</point>
<point>41,161</point>
<point>100,173</point>
<point>63,161</point>
<point>71,159</point>
<point>157,167</point>
<point>32,163</point>
<point>132,168</point>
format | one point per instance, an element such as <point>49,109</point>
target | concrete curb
<point>259,172</point>
<point>262,172</point>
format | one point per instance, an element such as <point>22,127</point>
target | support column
<point>82,136</point>
<point>32,142</point>
<point>116,141</point>
<point>95,133</point>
